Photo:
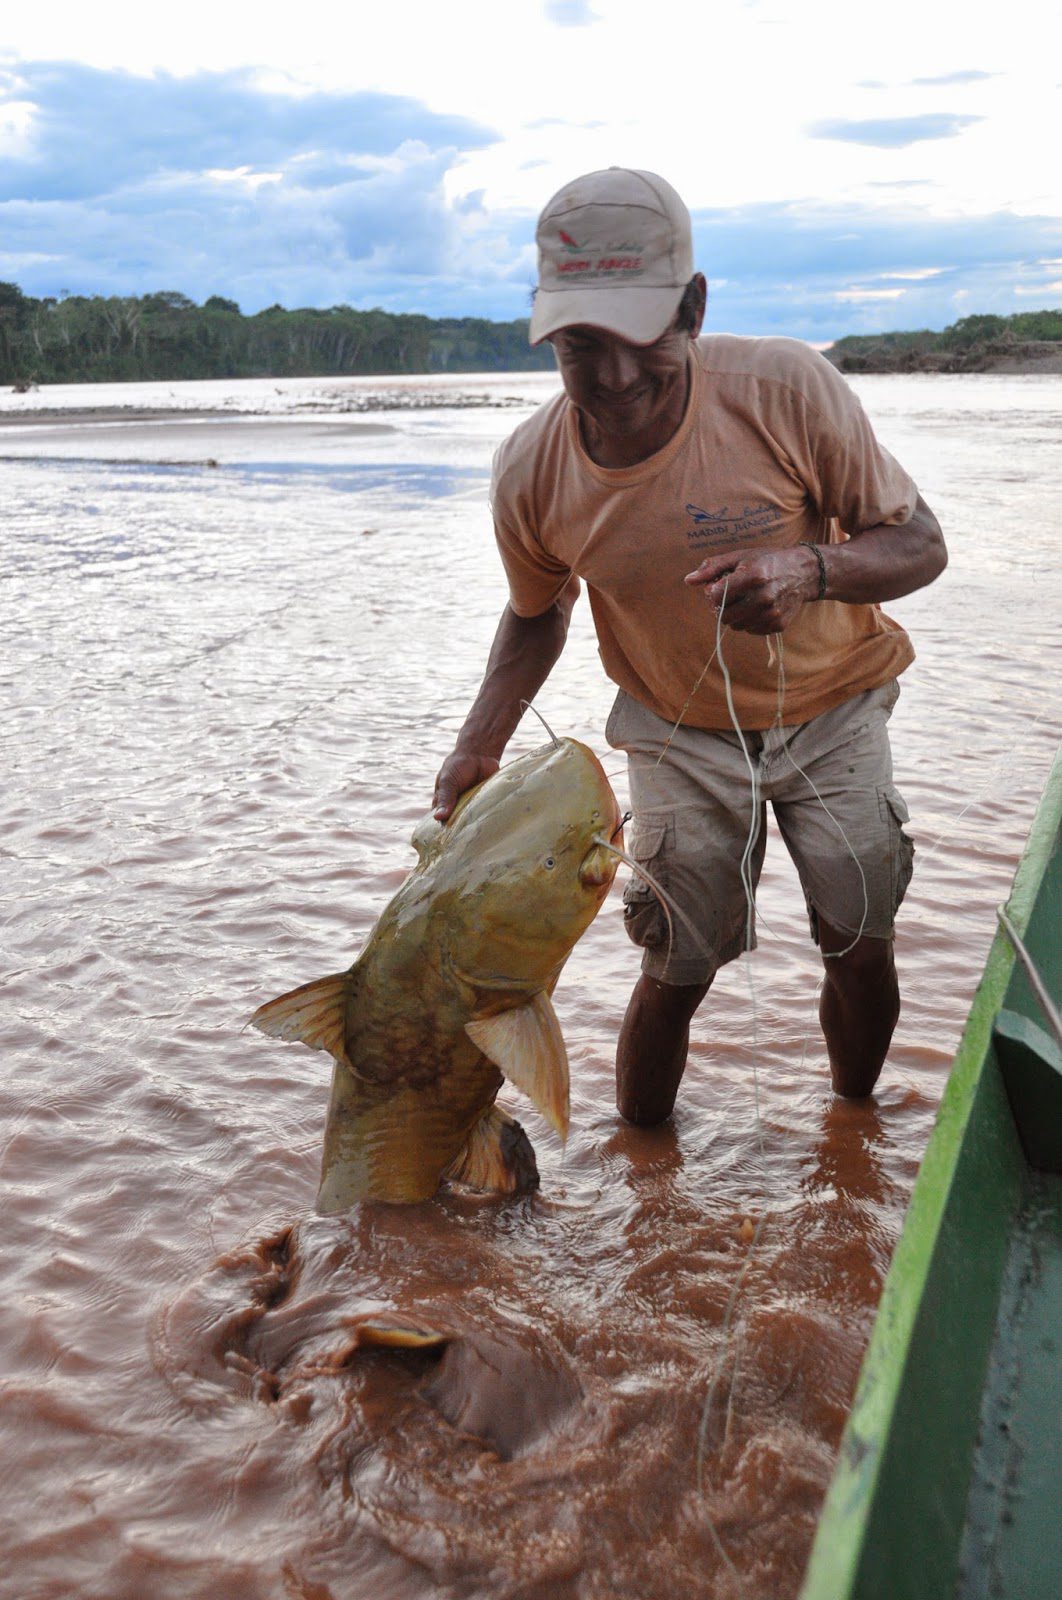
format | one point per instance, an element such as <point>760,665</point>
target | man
<point>752,461</point>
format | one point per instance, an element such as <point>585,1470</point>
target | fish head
<point>521,869</point>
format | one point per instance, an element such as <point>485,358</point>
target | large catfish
<point>451,994</point>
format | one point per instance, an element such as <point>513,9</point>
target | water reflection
<point>394,483</point>
<point>652,1155</point>
<point>846,1164</point>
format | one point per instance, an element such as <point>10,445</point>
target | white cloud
<point>272,162</point>
<point>950,78</point>
<point>570,13</point>
<point>893,133</point>
<point>918,276</point>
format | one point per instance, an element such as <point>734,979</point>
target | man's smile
<point>629,398</point>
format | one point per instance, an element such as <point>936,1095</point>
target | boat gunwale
<point>845,1519</point>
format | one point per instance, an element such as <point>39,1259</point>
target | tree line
<point>165,335</point>
<point>967,342</point>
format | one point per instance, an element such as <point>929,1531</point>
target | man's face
<point>626,392</point>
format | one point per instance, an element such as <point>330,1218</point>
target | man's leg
<point>859,1007</point>
<point>692,803</point>
<point>842,820</point>
<point>651,1054</point>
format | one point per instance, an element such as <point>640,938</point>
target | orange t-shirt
<point>774,448</point>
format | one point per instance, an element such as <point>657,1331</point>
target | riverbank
<point>1029,343</point>
<point>1015,358</point>
<point>219,423</point>
<point>411,397</point>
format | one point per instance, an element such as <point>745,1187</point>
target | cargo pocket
<point>894,814</point>
<point>643,916</point>
<point>626,722</point>
<point>613,737</point>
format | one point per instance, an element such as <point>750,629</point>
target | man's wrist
<point>478,746</point>
<point>820,580</point>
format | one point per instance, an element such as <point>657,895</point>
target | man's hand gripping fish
<point>452,991</point>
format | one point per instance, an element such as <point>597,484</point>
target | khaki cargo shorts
<point>830,784</point>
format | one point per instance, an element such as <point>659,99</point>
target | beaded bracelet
<point>817,553</point>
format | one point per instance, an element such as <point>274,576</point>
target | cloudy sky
<point>848,168</point>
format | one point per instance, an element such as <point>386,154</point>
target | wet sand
<point>174,438</point>
<point>227,694</point>
<point>35,406</point>
<point>86,416</point>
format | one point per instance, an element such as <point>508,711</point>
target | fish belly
<point>394,1142</point>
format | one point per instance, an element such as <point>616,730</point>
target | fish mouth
<point>598,867</point>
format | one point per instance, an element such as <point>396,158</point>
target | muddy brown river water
<point>226,690</point>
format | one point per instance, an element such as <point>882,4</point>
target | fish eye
<point>549,862</point>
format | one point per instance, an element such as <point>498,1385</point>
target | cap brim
<point>638,314</point>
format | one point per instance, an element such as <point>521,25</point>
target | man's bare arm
<point>764,592</point>
<point>523,654</point>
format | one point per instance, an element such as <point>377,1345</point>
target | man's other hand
<point>457,774</point>
<point>761,593</point>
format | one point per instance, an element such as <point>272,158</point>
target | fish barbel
<point>451,993</point>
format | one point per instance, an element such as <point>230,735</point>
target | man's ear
<point>702,303</point>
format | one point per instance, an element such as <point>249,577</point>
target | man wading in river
<point>751,462</point>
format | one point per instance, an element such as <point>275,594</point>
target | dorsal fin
<point>313,1014</point>
<point>526,1044</point>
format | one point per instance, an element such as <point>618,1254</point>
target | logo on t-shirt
<point>729,526</point>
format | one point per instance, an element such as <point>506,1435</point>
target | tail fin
<point>313,1014</point>
<point>498,1156</point>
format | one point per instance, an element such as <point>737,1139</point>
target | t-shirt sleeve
<point>536,578</point>
<point>849,474</point>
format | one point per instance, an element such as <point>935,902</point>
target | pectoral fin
<point>313,1014</point>
<point>498,1156</point>
<point>526,1045</point>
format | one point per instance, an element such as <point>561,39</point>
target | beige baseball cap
<point>615,251</point>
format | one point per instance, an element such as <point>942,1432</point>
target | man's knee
<point>849,959</point>
<point>665,1006</point>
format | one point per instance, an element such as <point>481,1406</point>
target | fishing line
<point>827,955</point>
<point>528,705</point>
<point>765,1214</point>
<point>746,880</point>
<point>776,651</point>
<point>640,870</point>
<point>754,786</point>
<point>729,1341</point>
<point>1006,764</point>
<point>686,706</point>
<point>666,903</point>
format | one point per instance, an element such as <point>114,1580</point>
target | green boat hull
<point>949,1478</point>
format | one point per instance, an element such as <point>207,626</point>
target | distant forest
<point>97,338</point>
<point>975,343</point>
